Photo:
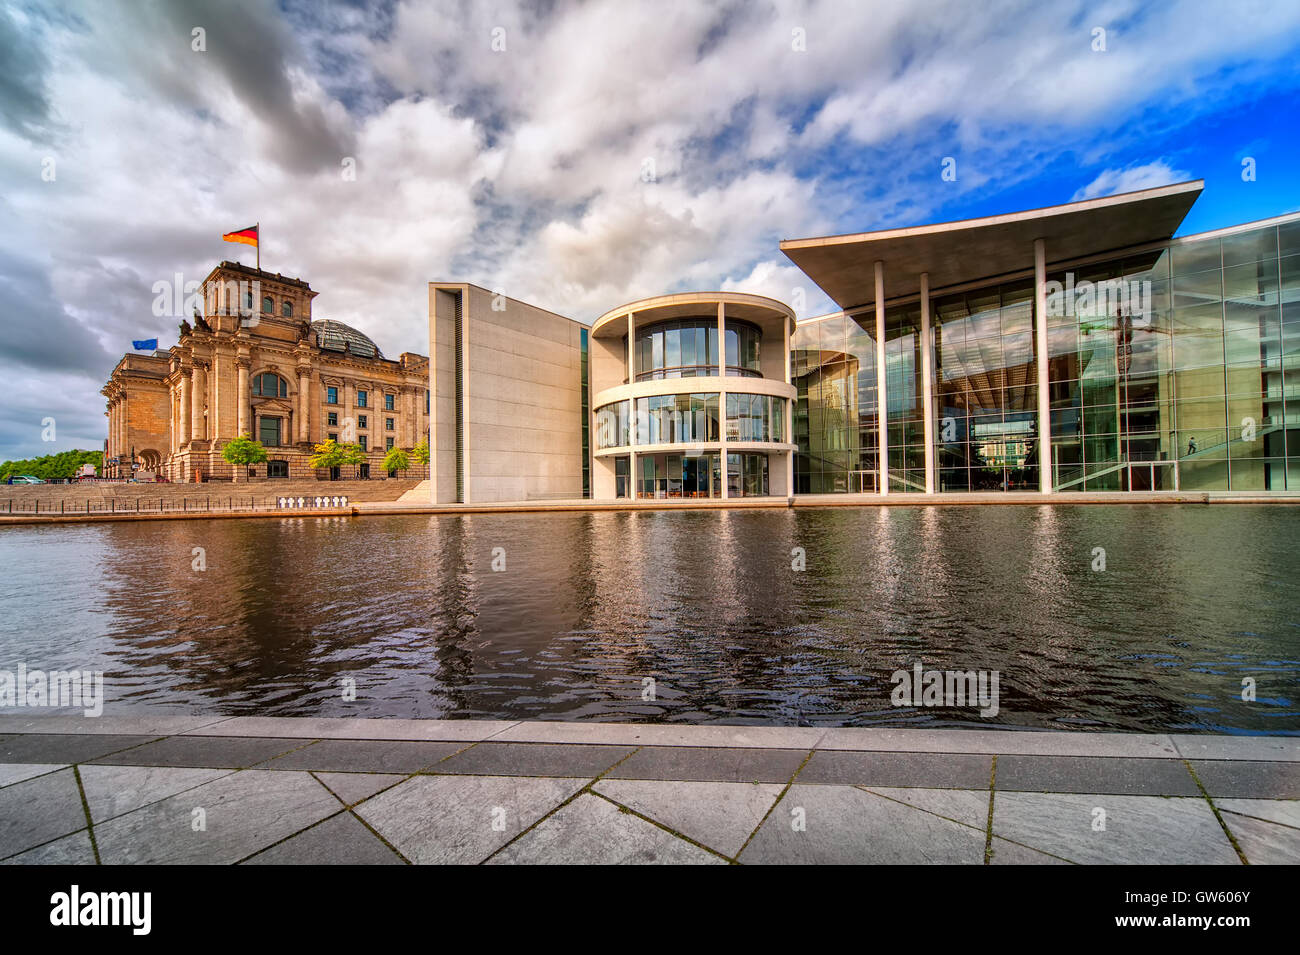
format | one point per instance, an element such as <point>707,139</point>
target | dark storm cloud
<point>24,105</point>
<point>249,49</point>
<point>38,331</point>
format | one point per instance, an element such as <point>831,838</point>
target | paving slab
<point>721,816</point>
<point>701,764</point>
<point>1266,748</point>
<point>114,790</point>
<point>115,725</point>
<point>1138,829</point>
<point>845,825</point>
<point>354,787</point>
<point>970,807</point>
<point>1264,843</point>
<point>206,752</point>
<point>365,756</point>
<point>999,742</point>
<point>461,819</point>
<point>1243,779</point>
<point>1285,812</point>
<point>244,812</point>
<point>69,850</point>
<point>356,728</point>
<point>900,770</point>
<point>39,810</point>
<point>11,773</point>
<point>339,840</point>
<point>592,831</point>
<point>658,734</point>
<point>532,759</point>
<point>1088,774</point>
<point>1010,853</point>
<point>42,748</point>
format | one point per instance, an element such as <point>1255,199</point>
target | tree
<point>52,466</point>
<point>421,452</point>
<point>396,460</point>
<point>333,454</point>
<point>243,451</point>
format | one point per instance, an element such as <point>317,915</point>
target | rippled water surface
<point>1193,600</point>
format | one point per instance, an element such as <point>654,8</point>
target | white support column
<point>633,477</point>
<point>1044,393</point>
<point>882,398</point>
<point>722,397</point>
<point>927,381</point>
<point>786,426</point>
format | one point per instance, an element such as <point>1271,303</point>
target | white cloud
<point>1114,182</point>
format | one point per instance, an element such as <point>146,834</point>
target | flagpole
<point>259,245</point>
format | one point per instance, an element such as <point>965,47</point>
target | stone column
<point>1044,393</point>
<point>198,400</point>
<point>927,381</point>
<point>186,402</point>
<point>882,398</point>
<point>242,397</point>
<point>304,403</point>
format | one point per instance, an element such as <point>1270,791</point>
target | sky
<point>572,155</point>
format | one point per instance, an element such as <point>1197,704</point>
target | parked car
<point>25,479</point>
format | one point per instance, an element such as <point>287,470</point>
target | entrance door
<point>365,471</point>
<point>277,469</point>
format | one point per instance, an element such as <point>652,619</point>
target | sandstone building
<point>256,363</point>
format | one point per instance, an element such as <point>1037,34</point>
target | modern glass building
<point>1074,348</point>
<point>691,396</point>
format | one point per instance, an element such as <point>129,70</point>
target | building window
<point>426,401</point>
<point>270,385</point>
<point>269,432</point>
<point>267,305</point>
<point>363,421</point>
<point>389,402</point>
<point>361,398</point>
<point>248,301</point>
<point>333,419</point>
<point>286,309</point>
<point>361,440</point>
<point>331,395</point>
<point>333,436</point>
<point>388,444</point>
<point>388,424</point>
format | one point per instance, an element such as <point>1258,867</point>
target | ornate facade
<point>255,363</point>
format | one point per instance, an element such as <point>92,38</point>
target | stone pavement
<point>255,790</point>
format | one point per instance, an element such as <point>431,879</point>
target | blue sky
<point>510,146</point>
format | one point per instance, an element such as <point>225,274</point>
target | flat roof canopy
<point>972,249</point>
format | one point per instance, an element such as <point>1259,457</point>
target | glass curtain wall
<point>834,423</point>
<point>903,380</point>
<point>677,419</point>
<point>985,384</point>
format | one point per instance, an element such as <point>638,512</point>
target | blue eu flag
<point>149,344</point>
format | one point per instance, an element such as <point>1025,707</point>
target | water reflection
<point>704,603</point>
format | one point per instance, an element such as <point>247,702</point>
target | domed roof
<point>333,336</point>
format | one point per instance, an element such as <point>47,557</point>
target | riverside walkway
<point>266,790</point>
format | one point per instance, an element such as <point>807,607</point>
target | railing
<point>229,504</point>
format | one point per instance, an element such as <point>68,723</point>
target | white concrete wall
<point>524,434</point>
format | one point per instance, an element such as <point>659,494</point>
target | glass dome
<point>333,336</point>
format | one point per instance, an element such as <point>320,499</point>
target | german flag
<point>247,236</point>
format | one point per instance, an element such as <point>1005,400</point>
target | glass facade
<point>985,390</point>
<point>612,426</point>
<point>677,419</point>
<point>679,349</point>
<point>678,475</point>
<point>835,413</point>
<point>754,418</point>
<point>1168,368</point>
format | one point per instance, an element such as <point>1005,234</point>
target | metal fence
<point>184,505</point>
